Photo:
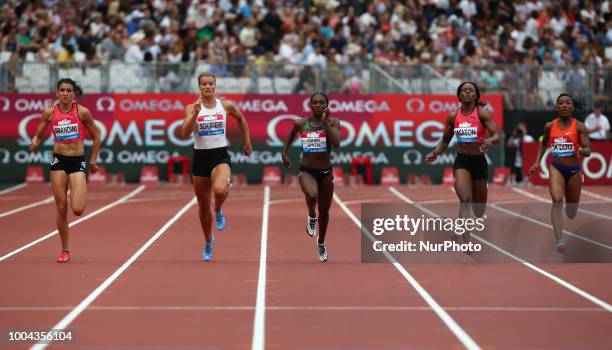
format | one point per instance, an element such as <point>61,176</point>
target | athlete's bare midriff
<point>70,149</point>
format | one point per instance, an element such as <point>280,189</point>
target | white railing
<point>524,87</point>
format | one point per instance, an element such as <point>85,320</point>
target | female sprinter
<point>211,168</point>
<point>469,123</point>
<point>68,168</point>
<point>567,137</point>
<point>318,133</point>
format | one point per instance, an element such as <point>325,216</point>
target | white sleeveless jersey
<point>210,127</point>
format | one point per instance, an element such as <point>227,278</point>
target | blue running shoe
<point>208,248</point>
<point>220,220</point>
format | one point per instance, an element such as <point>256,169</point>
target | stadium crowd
<point>319,33</point>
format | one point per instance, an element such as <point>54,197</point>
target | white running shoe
<point>311,226</point>
<point>322,252</point>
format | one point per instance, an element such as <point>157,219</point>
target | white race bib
<point>467,134</point>
<point>563,149</point>
<point>66,132</point>
<point>314,141</point>
<point>211,125</point>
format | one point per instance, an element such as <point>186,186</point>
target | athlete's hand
<point>35,144</point>
<point>325,116</point>
<point>287,162</point>
<point>585,152</point>
<point>533,168</point>
<point>93,167</point>
<point>486,144</point>
<point>431,157</point>
<point>247,149</point>
<point>197,105</point>
<point>221,97</point>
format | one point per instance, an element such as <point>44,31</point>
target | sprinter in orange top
<point>68,167</point>
<point>567,138</point>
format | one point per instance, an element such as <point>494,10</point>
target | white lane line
<point>13,188</point>
<point>259,323</point>
<point>356,308</point>
<point>560,281</point>
<point>569,233</point>
<point>598,196</point>
<point>461,334</point>
<point>26,207</point>
<point>534,221</point>
<point>72,315</point>
<point>76,222</point>
<point>545,200</point>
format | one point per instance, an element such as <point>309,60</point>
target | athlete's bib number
<point>314,141</point>
<point>469,134</point>
<point>66,132</point>
<point>562,149</point>
<point>211,125</point>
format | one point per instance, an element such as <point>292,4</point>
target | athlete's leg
<point>556,186</point>
<point>573,187</point>
<point>479,197</point>
<point>463,189</point>
<point>59,186</point>
<point>326,195</point>
<point>309,187</point>
<point>220,177</point>
<point>202,188</point>
<point>78,192</point>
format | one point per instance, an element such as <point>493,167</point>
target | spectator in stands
<point>306,81</point>
<point>112,48</point>
<point>597,125</point>
<point>135,52</point>
<point>354,84</point>
<point>477,32</point>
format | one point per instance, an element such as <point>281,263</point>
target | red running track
<point>168,298</point>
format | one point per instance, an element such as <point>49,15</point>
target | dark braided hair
<point>478,103</point>
<point>577,105</point>
<point>319,93</point>
<point>78,91</point>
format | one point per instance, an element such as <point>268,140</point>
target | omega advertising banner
<point>144,129</point>
<point>596,169</point>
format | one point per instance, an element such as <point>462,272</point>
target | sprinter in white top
<point>211,167</point>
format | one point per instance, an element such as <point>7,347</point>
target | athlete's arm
<point>45,118</point>
<point>583,136</point>
<point>191,113</point>
<point>232,110</point>
<point>296,128</point>
<point>541,148</point>
<point>447,136</point>
<point>333,126</point>
<point>487,121</point>
<point>91,126</point>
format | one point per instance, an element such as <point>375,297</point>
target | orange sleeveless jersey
<point>564,142</point>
